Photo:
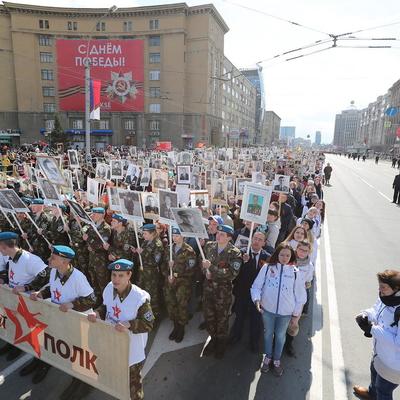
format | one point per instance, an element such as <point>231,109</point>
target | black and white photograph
<point>93,190</point>
<point>5,204</point>
<point>132,174</point>
<point>240,185</point>
<point>197,181</point>
<point>102,171</point>
<point>32,175</point>
<point>184,158</point>
<point>14,200</point>
<point>258,177</point>
<point>183,174</point>
<point>145,179</point>
<point>130,204</point>
<point>117,171</point>
<point>255,203</point>
<point>183,192</point>
<point>113,198</point>
<point>242,242</point>
<point>218,192</point>
<point>230,184</point>
<point>281,183</point>
<point>200,198</point>
<point>168,200</point>
<point>73,159</point>
<point>68,179</point>
<point>49,191</point>
<point>159,179</point>
<point>151,205</point>
<point>78,210</point>
<point>190,222</point>
<point>49,167</point>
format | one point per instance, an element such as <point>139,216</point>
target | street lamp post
<point>87,85</point>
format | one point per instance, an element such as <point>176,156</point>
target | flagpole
<point>87,108</point>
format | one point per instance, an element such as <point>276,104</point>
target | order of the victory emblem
<point>122,86</point>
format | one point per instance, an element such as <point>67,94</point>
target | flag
<point>95,89</point>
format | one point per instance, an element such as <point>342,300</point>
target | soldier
<point>127,307</point>
<point>178,285</point>
<point>57,230</point>
<point>122,239</point>
<point>254,207</point>
<point>221,266</point>
<point>25,226</point>
<point>98,274</point>
<point>151,251</point>
<point>76,231</point>
<point>67,287</point>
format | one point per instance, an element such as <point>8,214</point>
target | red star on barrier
<point>117,311</point>
<point>35,326</point>
<point>12,273</point>
<point>57,294</point>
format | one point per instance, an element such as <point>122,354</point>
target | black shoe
<point>290,351</point>
<point>173,333</point>
<point>203,326</point>
<point>40,373</point>
<point>66,394</point>
<point>220,348</point>
<point>13,354</point>
<point>180,333</point>
<point>5,349</point>
<point>81,392</point>
<point>210,348</point>
<point>29,368</point>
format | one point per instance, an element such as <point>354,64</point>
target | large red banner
<point>118,64</point>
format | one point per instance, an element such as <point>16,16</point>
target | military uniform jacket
<point>43,222</point>
<point>57,235</point>
<point>121,243</point>
<point>94,241</point>
<point>152,253</point>
<point>184,262</point>
<point>76,232</point>
<point>225,266</point>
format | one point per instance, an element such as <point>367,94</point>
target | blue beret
<point>8,236</point>
<point>176,231</point>
<point>63,251</point>
<point>62,206</point>
<point>27,200</point>
<point>119,217</point>
<point>149,227</point>
<point>225,228</point>
<point>121,265</point>
<point>217,218</point>
<point>98,210</point>
<point>38,201</point>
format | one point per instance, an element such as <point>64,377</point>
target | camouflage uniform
<point>4,224</point>
<point>40,247</point>
<point>149,278</point>
<point>177,294</point>
<point>56,233</point>
<point>26,226</point>
<point>120,244</point>
<point>81,259</point>
<point>217,290</point>
<point>98,274</point>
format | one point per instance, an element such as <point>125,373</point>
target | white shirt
<point>76,286</point>
<point>25,269</point>
<point>117,311</point>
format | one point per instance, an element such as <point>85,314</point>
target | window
<point>155,92</point>
<point>154,125</point>
<point>72,26</point>
<point>128,26</point>
<point>101,26</point>
<point>154,40</point>
<point>45,40</point>
<point>223,100</point>
<point>43,24</point>
<point>154,108</point>
<point>46,57</point>
<point>154,58</point>
<point>129,124</point>
<point>154,75</point>
<point>49,124</point>
<point>47,74</point>
<point>49,107</point>
<point>105,124</point>
<point>77,124</point>
<point>48,91</point>
<point>154,24</point>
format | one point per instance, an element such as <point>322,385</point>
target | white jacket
<point>386,341</point>
<point>280,289</point>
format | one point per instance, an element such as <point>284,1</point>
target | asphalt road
<point>359,239</point>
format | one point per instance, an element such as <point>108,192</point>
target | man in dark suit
<point>396,187</point>
<point>243,306</point>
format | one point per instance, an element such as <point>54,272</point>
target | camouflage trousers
<point>217,301</point>
<point>148,281</point>
<point>99,276</point>
<point>177,297</point>
<point>136,384</point>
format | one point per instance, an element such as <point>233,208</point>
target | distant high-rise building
<point>270,128</point>
<point>346,127</point>
<point>287,132</point>
<point>318,138</point>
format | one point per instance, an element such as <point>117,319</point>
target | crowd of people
<point>262,274</point>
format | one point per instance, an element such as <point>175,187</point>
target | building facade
<point>318,138</point>
<point>287,133</point>
<point>346,128</point>
<point>182,50</point>
<point>270,129</point>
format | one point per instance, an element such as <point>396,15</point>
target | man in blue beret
<point>58,231</point>
<point>221,266</point>
<point>122,239</point>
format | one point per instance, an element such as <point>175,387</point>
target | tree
<point>57,134</point>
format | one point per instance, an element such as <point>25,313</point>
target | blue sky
<point>307,92</point>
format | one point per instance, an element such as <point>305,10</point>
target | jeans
<point>380,389</point>
<point>275,327</point>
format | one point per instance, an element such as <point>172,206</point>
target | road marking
<point>373,187</point>
<point>338,369</point>
<point>384,195</point>
<point>316,390</point>
<point>13,367</point>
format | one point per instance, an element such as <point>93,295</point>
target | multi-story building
<point>346,128</point>
<point>255,76</point>
<point>318,138</point>
<point>156,66</point>
<point>392,123</point>
<point>238,107</point>
<point>270,129</point>
<point>287,133</point>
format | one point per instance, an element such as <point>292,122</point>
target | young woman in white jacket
<point>279,294</point>
<point>382,323</point>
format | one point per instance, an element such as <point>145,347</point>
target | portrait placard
<point>190,222</point>
<point>255,203</point>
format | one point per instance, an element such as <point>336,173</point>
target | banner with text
<point>92,352</point>
<point>118,64</point>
